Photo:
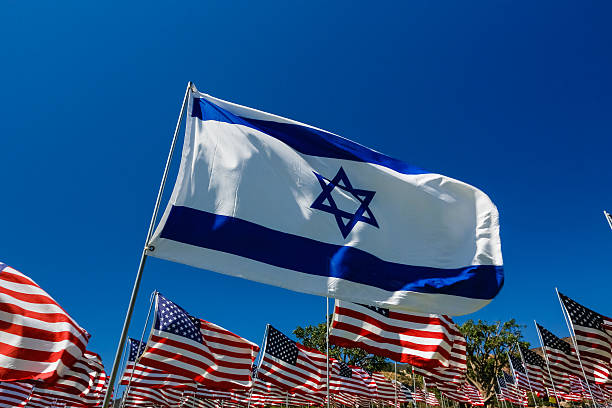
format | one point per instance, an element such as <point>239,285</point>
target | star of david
<point>345,220</point>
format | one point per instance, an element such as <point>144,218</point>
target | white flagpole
<point>144,329</point>
<point>327,346</point>
<point>552,382</point>
<point>143,257</point>
<point>573,336</point>
<point>395,366</point>
<point>414,388</point>
<point>425,391</point>
<point>608,218</point>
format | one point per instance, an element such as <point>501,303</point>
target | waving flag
<point>535,368</point>
<point>279,202</point>
<point>420,339</point>
<point>84,381</point>
<point>202,351</point>
<point>385,389</point>
<point>520,375</point>
<point>138,375</point>
<point>14,394</point>
<point>38,339</point>
<point>593,333</point>
<point>561,359</point>
<point>473,394</point>
<point>509,391</point>
<point>351,380</point>
<point>153,397</point>
<point>292,366</point>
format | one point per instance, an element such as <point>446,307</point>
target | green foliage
<point>314,337</point>
<point>486,351</point>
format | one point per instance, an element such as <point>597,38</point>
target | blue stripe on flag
<point>304,139</point>
<point>246,239</point>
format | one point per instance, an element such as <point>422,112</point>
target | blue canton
<point>172,319</point>
<point>136,349</point>
<point>345,220</point>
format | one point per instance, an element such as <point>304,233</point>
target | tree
<point>314,337</point>
<point>486,351</point>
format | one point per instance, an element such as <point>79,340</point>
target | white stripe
<point>319,285</point>
<point>27,343</point>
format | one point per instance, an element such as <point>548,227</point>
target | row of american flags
<point>189,362</point>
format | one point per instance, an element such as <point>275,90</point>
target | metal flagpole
<point>287,399</point>
<point>547,365</point>
<point>327,346</point>
<point>608,218</point>
<point>425,391</point>
<point>143,257</point>
<point>395,364</point>
<point>573,336</point>
<point>535,404</point>
<point>144,329</point>
<point>262,351</point>
<point>414,388</point>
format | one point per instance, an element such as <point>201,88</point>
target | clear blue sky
<point>512,97</point>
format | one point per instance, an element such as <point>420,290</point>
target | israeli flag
<point>276,201</point>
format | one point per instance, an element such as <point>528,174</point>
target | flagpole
<point>327,346</point>
<point>414,388</point>
<point>144,329</point>
<point>552,382</point>
<point>395,385</point>
<point>573,336</point>
<point>535,404</point>
<point>143,256</point>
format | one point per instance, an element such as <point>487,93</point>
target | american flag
<point>509,391</point>
<point>473,394</point>
<point>535,367</point>
<point>593,333</point>
<point>430,398</point>
<point>149,397</point>
<point>450,378</point>
<point>404,393</point>
<point>423,340</point>
<point>579,386</point>
<point>562,362</point>
<point>568,396</point>
<point>139,375</point>
<point>455,394</point>
<point>418,395</point>
<point>292,366</point>
<point>14,394</point>
<point>519,372</point>
<point>350,379</point>
<point>84,381</point>
<point>202,351</point>
<point>39,340</point>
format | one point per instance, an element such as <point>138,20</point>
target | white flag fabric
<point>276,201</point>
